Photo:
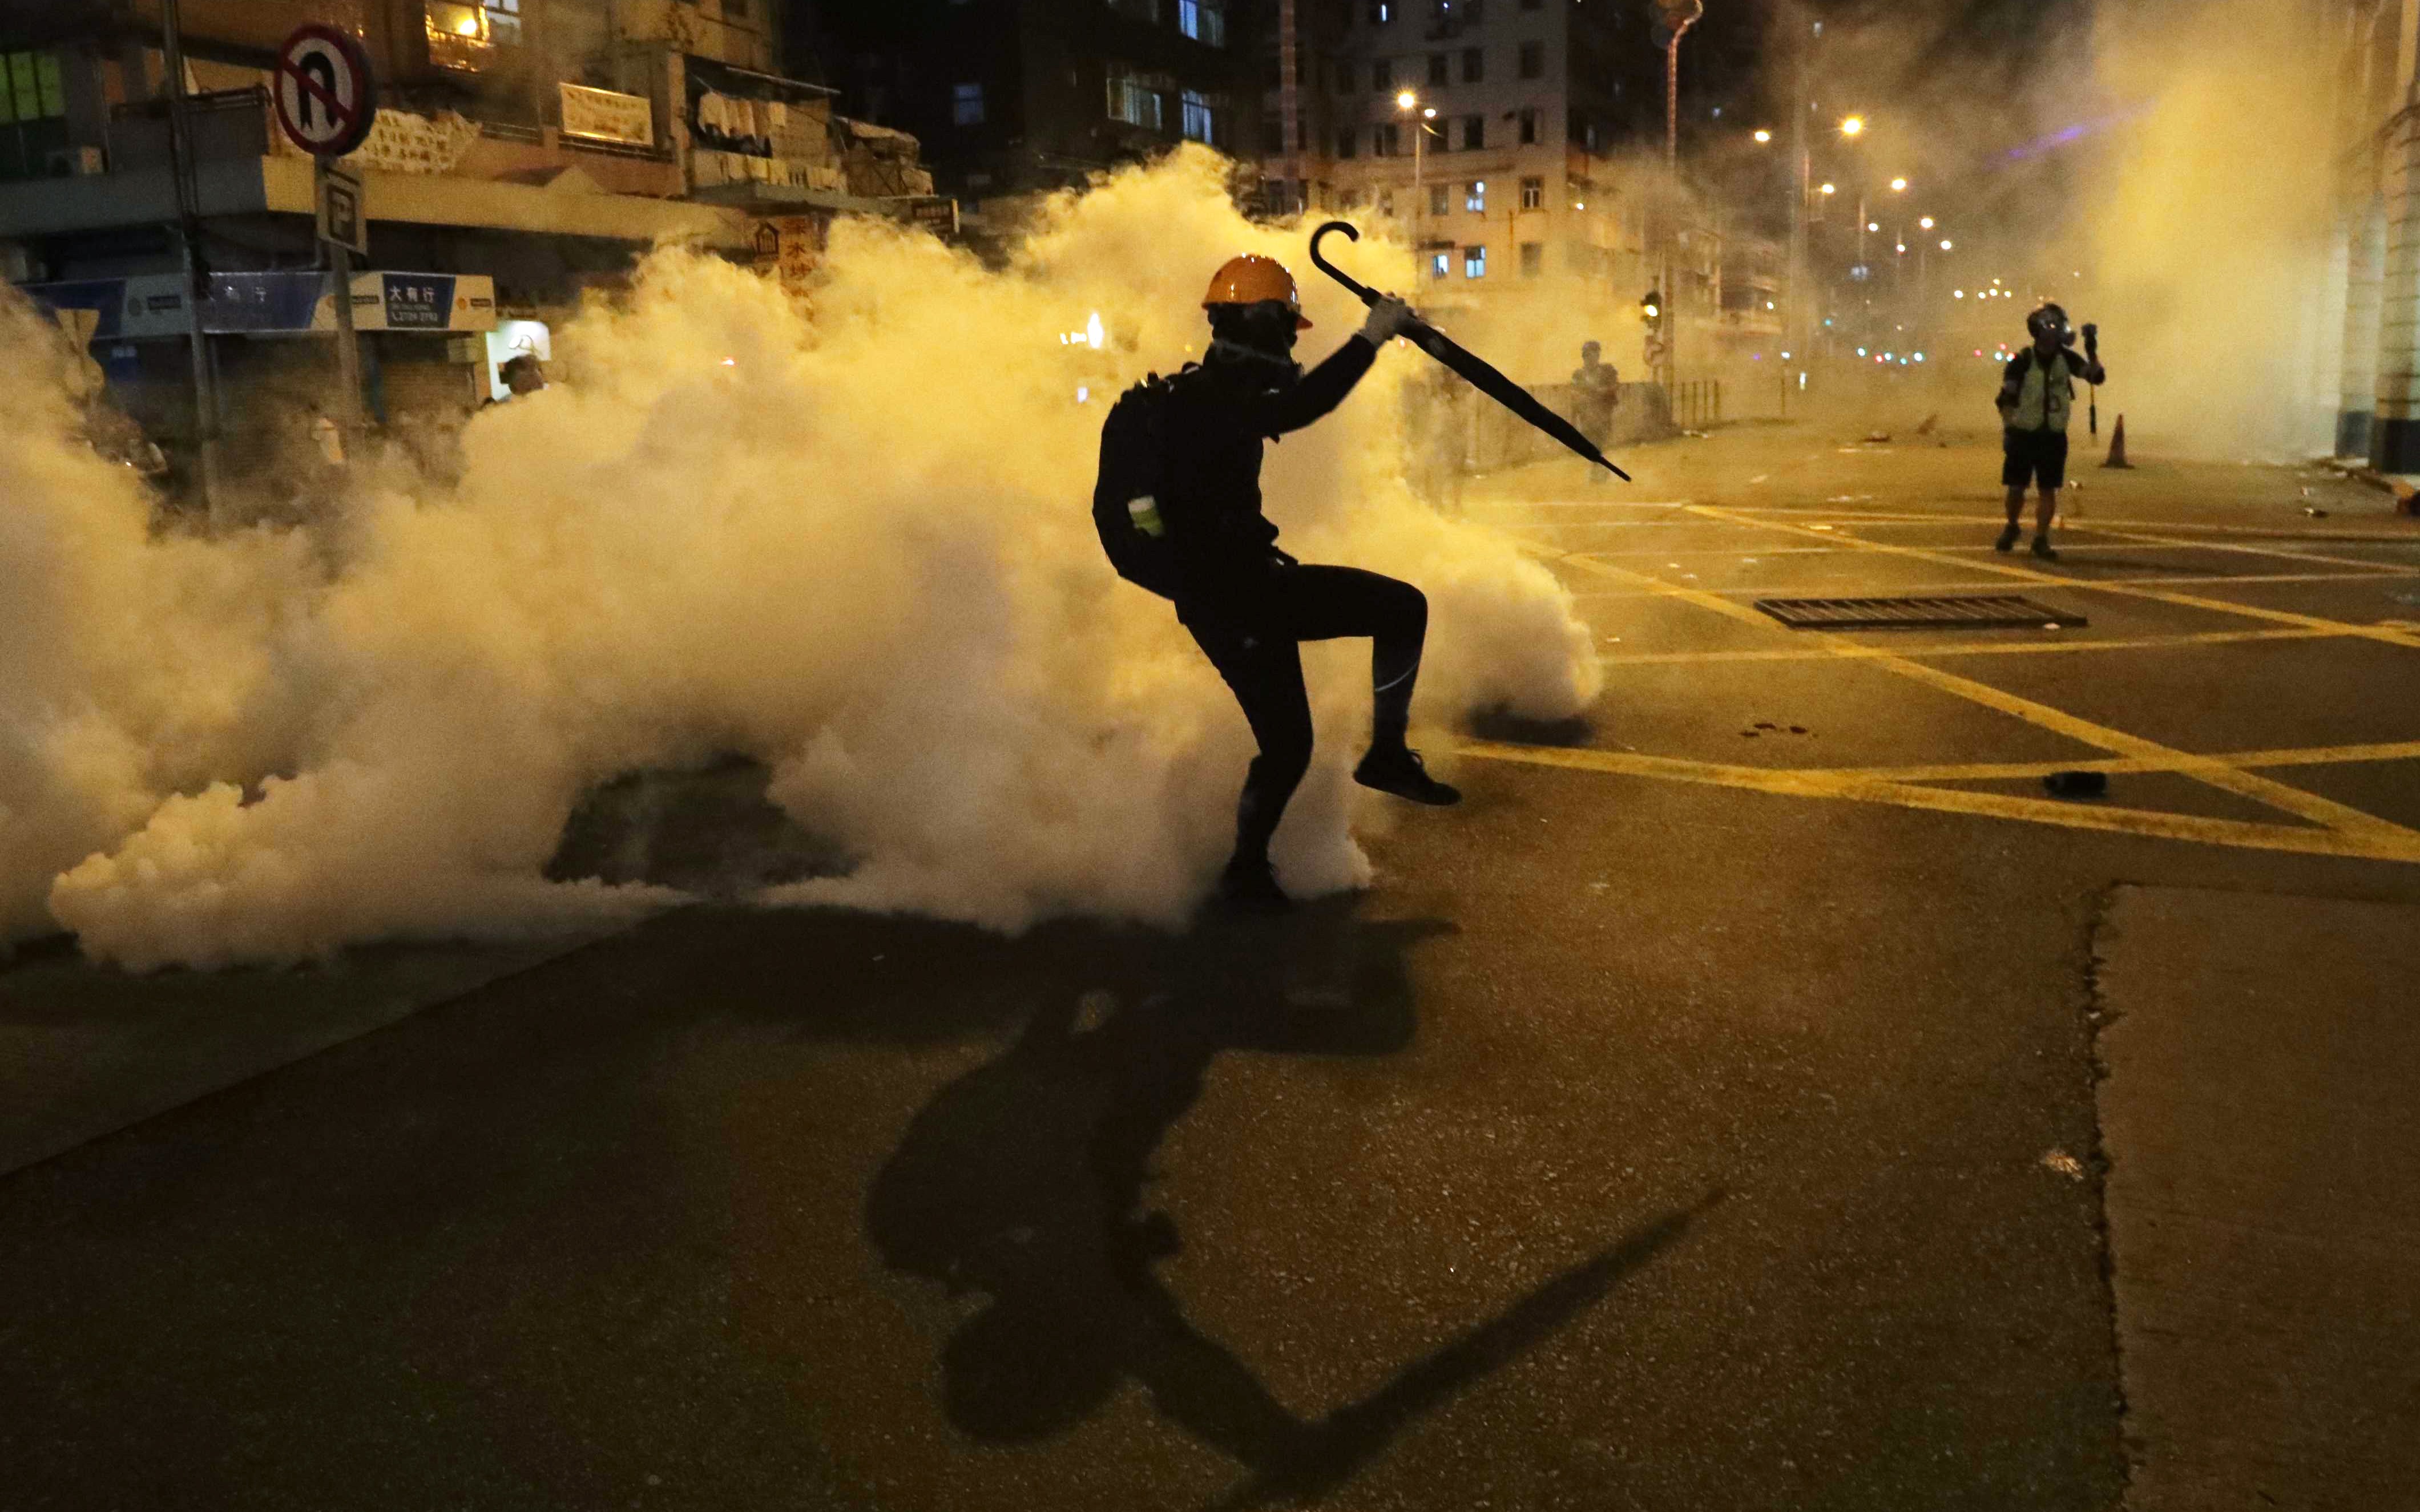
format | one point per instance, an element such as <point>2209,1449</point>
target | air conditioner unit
<point>74,163</point>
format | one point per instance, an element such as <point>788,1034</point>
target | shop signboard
<point>602,116</point>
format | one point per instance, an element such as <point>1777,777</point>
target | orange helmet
<point>1252,279</point>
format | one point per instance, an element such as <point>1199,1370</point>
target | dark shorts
<point>2034,454</point>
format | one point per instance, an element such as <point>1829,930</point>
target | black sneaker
<point>2042,548</point>
<point>1400,772</point>
<point>1251,888</point>
<point>2007,541</point>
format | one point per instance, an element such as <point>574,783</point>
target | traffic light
<point>1651,309</point>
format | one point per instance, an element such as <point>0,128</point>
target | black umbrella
<point>1481,375</point>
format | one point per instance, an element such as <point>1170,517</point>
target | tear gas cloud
<point>856,547</point>
<point>2209,221</point>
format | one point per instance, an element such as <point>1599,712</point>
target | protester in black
<point>1248,604</point>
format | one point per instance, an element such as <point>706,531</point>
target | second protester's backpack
<point>1126,497</point>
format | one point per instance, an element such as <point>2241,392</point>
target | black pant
<point>1255,646</point>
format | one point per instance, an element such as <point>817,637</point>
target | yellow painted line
<point>2399,845</point>
<point>1817,589</point>
<point>2139,588</point>
<point>2147,540</point>
<point>2392,750</point>
<point>2214,773</point>
<point>1962,648</point>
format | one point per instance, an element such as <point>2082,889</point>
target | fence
<point>1698,404</point>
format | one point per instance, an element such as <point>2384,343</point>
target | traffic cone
<point>2118,446</point>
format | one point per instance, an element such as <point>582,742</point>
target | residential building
<point>1523,111</point>
<point>1012,98</point>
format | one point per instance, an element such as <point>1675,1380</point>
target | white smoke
<point>852,542</point>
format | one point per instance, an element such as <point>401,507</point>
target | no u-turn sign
<point>326,101</point>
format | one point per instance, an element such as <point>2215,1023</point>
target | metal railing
<point>1698,404</point>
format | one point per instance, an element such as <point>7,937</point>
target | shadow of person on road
<point>1026,1181</point>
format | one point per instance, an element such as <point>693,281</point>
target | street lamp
<point>1899,186</point>
<point>1762,136</point>
<point>1854,126</point>
<point>1407,102</point>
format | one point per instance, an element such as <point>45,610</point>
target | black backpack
<point>1125,499</point>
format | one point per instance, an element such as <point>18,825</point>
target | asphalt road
<point>1701,1117</point>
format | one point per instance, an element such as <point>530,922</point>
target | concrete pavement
<point>1702,1115</point>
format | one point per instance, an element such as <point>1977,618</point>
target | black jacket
<point>1219,414</point>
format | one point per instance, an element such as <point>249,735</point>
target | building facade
<point>526,152</point>
<point>2376,274</point>
<point>1012,98</point>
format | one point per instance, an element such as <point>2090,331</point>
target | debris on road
<point>2064,1163</point>
<point>2077,784</point>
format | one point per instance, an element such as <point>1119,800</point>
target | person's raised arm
<point>1324,387</point>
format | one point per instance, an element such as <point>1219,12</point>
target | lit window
<point>967,105</point>
<point>1135,99</point>
<point>1474,262</point>
<point>1199,116</point>
<point>1475,198</point>
<point>1534,193</point>
<point>33,114</point>
<point>1204,21</point>
<point>504,19</point>
<point>1440,263</point>
<point>1381,12</point>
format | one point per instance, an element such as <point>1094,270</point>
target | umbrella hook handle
<point>1361,292</point>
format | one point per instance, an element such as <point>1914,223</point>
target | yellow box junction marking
<point>2333,828</point>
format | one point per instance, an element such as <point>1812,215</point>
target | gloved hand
<point>1389,315</point>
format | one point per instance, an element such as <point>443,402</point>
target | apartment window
<point>1135,98</point>
<point>1343,77</point>
<point>1533,60</point>
<point>33,114</point>
<point>1440,262</point>
<point>1382,75</point>
<point>1474,132</point>
<point>1474,199</point>
<point>1534,4</point>
<point>1529,127</point>
<point>1440,71</point>
<point>1200,115</point>
<point>1386,141</point>
<point>1438,198</point>
<point>1346,140</point>
<point>967,105</point>
<point>1534,193</point>
<point>1533,258</point>
<point>1272,135</point>
<point>1144,11</point>
<point>1459,12</point>
<point>1474,262</point>
<point>1474,64</point>
<point>504,19</point>
<point>734,10</point>
<point>1204,21</point>
<point>1381,12</point>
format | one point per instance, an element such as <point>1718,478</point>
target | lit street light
<point>1762,136</point>
<point>1831,189</point>
<point>1854,126</point>
<point>1926,222</point>
<point>1899,186</point>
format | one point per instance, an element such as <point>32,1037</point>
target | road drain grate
<point>1983,611</point>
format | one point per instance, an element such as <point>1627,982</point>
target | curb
<point>2406,492</point>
